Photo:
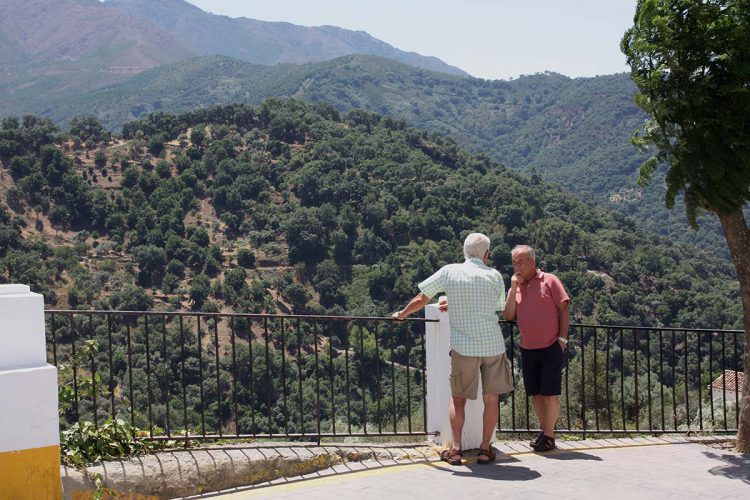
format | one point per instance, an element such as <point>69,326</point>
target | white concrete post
<point>29,425</point>
<point>438,387</point>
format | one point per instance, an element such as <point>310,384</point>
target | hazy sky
<point>486,38</point>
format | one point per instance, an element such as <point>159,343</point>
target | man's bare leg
<point>547,410</point>
<point>551,412</point>
<point>489,418</point>
<point>457,416</point>
<point>540,408</point>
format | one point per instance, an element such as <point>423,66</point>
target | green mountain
<point>574,132</point>
<point>268,43</point>
<point>289,206</point>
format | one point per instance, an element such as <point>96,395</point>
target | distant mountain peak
<point>264,42</point>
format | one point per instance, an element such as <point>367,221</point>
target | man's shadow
<point>499,470</point>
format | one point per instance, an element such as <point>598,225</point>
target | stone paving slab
<point>642,468</point>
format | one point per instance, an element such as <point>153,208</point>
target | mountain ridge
<point>266,42</point>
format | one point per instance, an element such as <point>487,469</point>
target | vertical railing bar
<point>636,348</point>
<point>200,366</point>
<point>111,369</point>
<point>687,380</point>
<point>567,381</point>
<point>408,380</point>
<point>724,378</point>
<point>622,378</point>
<point>393,381</point>
<point>75,368</point>
<point>283,376</point>
<point>362,375</point>
<point>607,365</point>
<point>513,371</point>
<point>233,341</point>
<point>317,378</point>
<point>737,387</point>
<point>648,380</point>
<point>711,376</point>
<point>583,380</point>
<point>378,377</point>
<point>148,376</point>
<point>251,374</point>
<point>661,379</point>
<point>218,374</point>
<point>184,382</point>
<point>130,370</point>
<point>596,379</point>
<point>166,386</point>
<point>674,379</point>
<point>268,373</point>
<point>93,374</point>
<point>299,375</point>
<point>424,380</point>
<point>348,385</point>
<point>333,381</point>
<point>700,384</point>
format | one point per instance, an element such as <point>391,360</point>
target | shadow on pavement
<point>570,455</point>
<point>736,466</point>
<point>500,470</point>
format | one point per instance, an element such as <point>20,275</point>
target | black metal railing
<point>209,376</point>
<point>638,380</point>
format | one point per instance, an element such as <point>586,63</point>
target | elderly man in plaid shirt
<point>475,292</point>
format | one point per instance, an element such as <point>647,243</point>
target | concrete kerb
<point>188,472</point>
<point>197,471</point>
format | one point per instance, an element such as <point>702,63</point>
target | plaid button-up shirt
<point>475,293</point>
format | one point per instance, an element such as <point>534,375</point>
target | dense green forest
<point>291,207</point>
<point>289,204</point>
<point>572,132</point>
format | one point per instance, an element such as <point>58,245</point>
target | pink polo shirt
<point>537,305</point>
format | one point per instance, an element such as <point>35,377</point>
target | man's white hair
<point>524,249</point>
<point>476,245</point>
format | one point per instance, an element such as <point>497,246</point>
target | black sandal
<point>536,439</point>
<point>449,454</point>
<point>545,444</point>
<point>490,454</point>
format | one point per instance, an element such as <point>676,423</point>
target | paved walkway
<point>642,468</point>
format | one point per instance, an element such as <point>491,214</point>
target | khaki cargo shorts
<point>496,373</point>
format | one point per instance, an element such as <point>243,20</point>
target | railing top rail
<point>656,328</point>
<point>236,315</point>
<point>361,318</point>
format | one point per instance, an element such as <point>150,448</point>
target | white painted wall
<point>438,386</point>
<point>21,328</point>
<point>29,417</point>
<point>28,385</point>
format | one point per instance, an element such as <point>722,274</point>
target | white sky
<point>496,39</point>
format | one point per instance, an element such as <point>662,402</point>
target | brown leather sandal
<point>490,454</point>
<point>449,454</point>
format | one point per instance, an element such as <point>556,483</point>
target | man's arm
<point>509,313</point>
<point>417,303</point>
<point>563,313</point>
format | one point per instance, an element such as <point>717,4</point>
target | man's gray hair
<point>524,249</point>
<point>476,245</point>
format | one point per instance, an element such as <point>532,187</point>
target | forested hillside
<point>293,207</point>
<point>573,132</point>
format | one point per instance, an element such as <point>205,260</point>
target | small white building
<point>728,384</point>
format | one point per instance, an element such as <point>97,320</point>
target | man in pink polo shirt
<point>539,304</point>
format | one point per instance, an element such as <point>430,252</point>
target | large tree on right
<point>691,62</point>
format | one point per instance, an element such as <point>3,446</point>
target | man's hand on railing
<point>399,315</point>
<point>443,304</point>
